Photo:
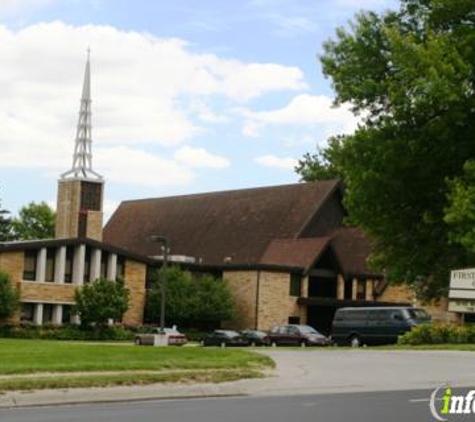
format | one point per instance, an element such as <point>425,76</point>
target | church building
<point>284,250</point>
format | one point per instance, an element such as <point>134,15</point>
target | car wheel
<point>223,344</point>
<point>355,341</point>
<point>303,343</point>
<point>273,344</point>
<point>253,344</point>
<point>138,342</point>
<point>202,343</point>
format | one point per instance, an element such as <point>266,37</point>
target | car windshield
<point>417,314</point>
<point>228,333</point>
<point>256,333</point>
<point>306,329</point>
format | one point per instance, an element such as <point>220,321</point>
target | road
<point>407,406</point>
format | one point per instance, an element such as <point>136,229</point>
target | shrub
<point>439,334</point>
<point>66,332</point>
<point>9,298</point>
<point>102,300</point>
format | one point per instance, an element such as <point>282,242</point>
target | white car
<point>174,337</point>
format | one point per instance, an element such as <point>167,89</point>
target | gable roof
<point>213,227</point>
<point>295,252</point>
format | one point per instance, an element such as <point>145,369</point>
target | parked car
<point>256,338</point>
<point>297,335</point>
<point>224,338</point>
<point>174,337</point>
<point>377,325</point>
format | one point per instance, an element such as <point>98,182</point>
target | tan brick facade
<point>243,286</point>
<point>94,225</point>
<point>69,195</point>
<point>275,303</point>
<point>135,274</point>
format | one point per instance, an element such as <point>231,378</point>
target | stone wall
<point>94,225</point>
<point>135,273</point>
<point>32,291</point>
<point>67,215</point>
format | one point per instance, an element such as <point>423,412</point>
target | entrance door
<point>321,317</point>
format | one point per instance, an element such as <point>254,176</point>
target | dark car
<point>378,325</point>
<point>224,338</point>
<point>256,338</point>
<point>297,335</point>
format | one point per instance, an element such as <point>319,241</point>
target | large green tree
<point>9,297</point>
<point>410,75</point>
<point>102,300</point>
<point>198,302</point>
<point>34,221</point>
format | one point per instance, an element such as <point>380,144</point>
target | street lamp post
<point>163,241</point>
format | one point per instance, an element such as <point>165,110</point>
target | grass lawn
<point>21,359</point>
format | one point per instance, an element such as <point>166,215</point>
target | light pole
<point>163,241</point>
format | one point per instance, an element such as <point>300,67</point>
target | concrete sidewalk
<point>298,372</point>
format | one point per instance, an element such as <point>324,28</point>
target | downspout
<point>258,284</point>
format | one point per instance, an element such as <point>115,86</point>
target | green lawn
<point>32,364</point>
<point>29,356</point>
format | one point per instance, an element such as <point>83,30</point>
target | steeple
<point>81,189</point>
<point>82,158</point>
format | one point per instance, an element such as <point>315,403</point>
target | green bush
<point>9,297</point>
<point>66,332</point>
<point>439,334</point>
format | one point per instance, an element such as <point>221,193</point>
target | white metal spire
<point>82,158</point>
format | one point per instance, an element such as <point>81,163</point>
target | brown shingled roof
<point>213,226</point>
<point>353,248</point>
<point>295,252</point>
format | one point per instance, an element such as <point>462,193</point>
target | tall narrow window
<point>27,312</point>
<point>50,258</point>
<point>104,256</point>
<point>120,268</point>
<point>66,319</point>
<point>47,313</point>
<point>87,265</point>
<point>361,290</point>
<point>29,266</point>
<point>68,272</point>
<point>295,285</point>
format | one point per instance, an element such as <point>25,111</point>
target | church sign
<point>462,291</point>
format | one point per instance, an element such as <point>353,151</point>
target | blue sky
<point>188,96</point>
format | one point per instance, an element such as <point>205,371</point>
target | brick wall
<point>12,263</point>
<point>275,302</point>
<point>243,286</point>
<point>94,225</point>
<point>134,279</point>
<point>67,208</point>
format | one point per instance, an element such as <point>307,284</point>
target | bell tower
<point>81,189</point>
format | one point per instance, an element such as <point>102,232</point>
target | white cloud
<point>304,110</point>
<point>11,7</point>
<point>250,129</point>
<point>284,163</point>
<point>200,158</point>
<point>144,89</point>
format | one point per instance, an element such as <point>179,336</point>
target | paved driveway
<point>336,371</point>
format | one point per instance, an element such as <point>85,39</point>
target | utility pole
<point>163,242</point>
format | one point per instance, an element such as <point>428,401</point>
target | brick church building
<point>283,250</point>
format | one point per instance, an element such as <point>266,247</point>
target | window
<point>87,265</point>
<point>48,313</point>
<point>66,319</point>
<point>121,268</point>
<point>50,258</point>
<point>91,196</point>
<point>295,285</point>
<point>104,257</point>
<point>27,312</point>
<point>294,320</point>
<point>68,272</point>
<point>361,290</point>
<point>29,266</point>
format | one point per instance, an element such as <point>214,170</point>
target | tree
<point>102,300</point>
<point>5,225</point>
<point>9,297</point>
<point>190,301</point>
<point>410,76</point>
<point>35,221</point>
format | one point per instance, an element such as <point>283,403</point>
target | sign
<point>462,291</point>
<point>462,306</point>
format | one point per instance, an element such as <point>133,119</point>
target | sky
<point>188,95</point>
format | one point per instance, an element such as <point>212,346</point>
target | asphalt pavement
<point>389,406</point>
